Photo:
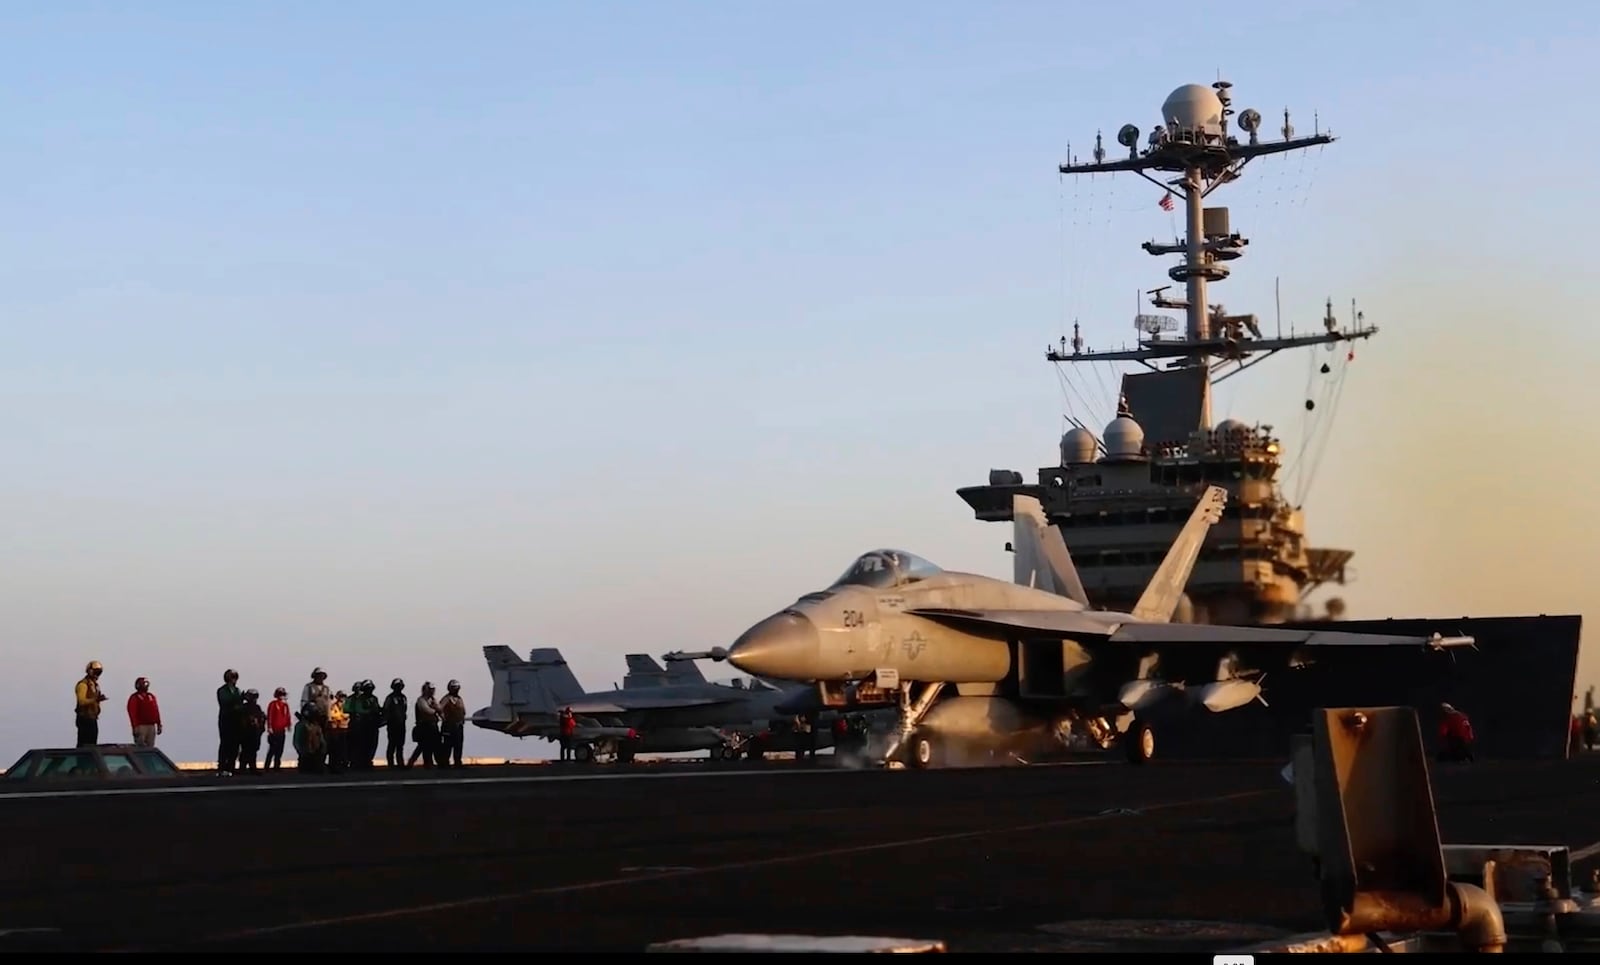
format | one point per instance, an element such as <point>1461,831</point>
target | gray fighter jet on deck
<point>1030,661</point>
<point>655,711</point>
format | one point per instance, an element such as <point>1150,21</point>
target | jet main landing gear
<point>1139,743</point>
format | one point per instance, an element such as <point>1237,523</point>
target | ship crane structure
<point>1120,495</point>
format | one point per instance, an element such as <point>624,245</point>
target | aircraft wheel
<point>924,752</point>
<point>727,753</point>
<point>583,753</point>
<point>1139,742</point>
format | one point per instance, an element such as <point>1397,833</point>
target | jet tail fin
<point>683,670</point>
<point>1041,556</point>
<point>540,684</point>
<point>554,677</point>
<point>643,671</point>
<point>503,665</point>
<point>1165,591</point>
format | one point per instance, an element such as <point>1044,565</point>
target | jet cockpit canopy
<point>883,569</point>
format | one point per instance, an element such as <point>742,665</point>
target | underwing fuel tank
<point>1143,694</point>
<point>1228,694</point>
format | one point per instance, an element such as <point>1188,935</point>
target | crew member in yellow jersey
<point>89,698</point>
<point>338,734</point>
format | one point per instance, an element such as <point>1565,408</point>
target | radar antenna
<point>1194,143</point>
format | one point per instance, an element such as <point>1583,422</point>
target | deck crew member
<point>144,714</point>
<point>317,693</point>
<point>277,727</point>
<point>452,725</point>
<point>252,722</point>
<point>309,744</point>
<point>338,734</point>
<point>230,701</point>
<point>426,730</point>
<point>569,728</point>
<point>1455,735</point>
<point>394,717</point>
<point>88,700</point>
<point>365,722</point>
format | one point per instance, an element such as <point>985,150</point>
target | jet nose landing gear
<point>911,714</point>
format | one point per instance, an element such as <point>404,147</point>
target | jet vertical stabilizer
<point>1161,597</point>
<point>541,684</point>
<point>1042,559</point>
<point>503,662</point>
<point>553,678</point>
<point>643,671</point>
<point>684,671</point>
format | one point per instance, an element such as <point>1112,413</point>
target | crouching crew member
<point>1455,735</point>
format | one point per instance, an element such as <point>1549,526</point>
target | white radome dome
<point>1078,446</point>
<point>1124,439</point>
<point>1192,106</point>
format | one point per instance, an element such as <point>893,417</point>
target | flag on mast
<point>1166,202</point>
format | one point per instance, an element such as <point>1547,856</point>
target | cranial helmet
<point>317,673</point>
<point>427,686</point>
<point>453,686</point>
<point>92,666</point>
<point>230,675</point>
<point>141,683</point>
<point>397,684</point>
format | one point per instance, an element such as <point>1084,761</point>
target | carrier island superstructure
<point>1121,496</point>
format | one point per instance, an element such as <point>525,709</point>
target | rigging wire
<point>1310,478</point>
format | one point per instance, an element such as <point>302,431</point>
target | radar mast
<point>1194,143</point>
<point>1121,497</point>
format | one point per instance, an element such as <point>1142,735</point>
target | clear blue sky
<point>361,336</point>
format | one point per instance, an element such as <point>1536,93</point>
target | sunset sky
<point>364,335</point>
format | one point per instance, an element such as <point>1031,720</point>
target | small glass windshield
<point>881,569</point>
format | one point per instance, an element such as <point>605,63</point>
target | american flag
<point>1165,202</point>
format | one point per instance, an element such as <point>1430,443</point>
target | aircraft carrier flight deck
<point>1074,857</point>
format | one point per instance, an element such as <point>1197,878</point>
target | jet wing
<point>623,703</point>
<point>1111,626</point>
<point>1200,633</point>
<point>1010,622</point>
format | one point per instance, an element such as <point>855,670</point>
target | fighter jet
<point>1030,663</point>
<point>655,711</point>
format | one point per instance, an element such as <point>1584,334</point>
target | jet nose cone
<point>783,645</point>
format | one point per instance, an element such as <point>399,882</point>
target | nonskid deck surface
<point>1108,856</point>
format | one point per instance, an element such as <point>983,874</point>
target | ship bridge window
<point>1224,472</point>
<point>881,569</point>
